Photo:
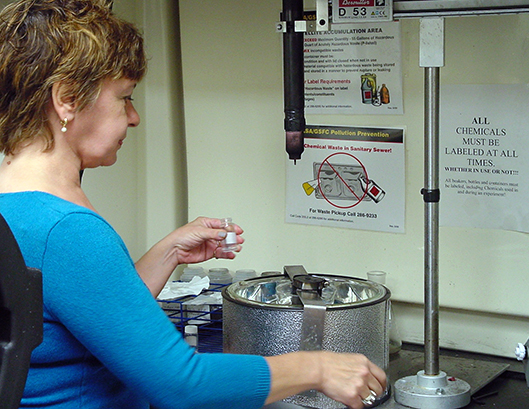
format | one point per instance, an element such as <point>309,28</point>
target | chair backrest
<point>20,318</point>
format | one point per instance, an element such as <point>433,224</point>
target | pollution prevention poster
<point>354,69</point>
<point>484,166</point>
<point>350,177</point>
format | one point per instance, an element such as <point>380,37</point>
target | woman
<point>68,69</point>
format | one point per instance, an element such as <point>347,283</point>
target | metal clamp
<point>300,26</point>
<point>306,26</point>
<point>314,310</point>
<point>293,271</point>
<point>431,195</point>
<point>308,288</point>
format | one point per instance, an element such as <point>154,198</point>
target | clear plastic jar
<point>230,242</point>
<point>192,271</point>
<point>220,276</point>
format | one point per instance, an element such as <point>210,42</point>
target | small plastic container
<point>230,242</point>
<point>191,335</point>
<point>244,274</point>
<point>377,276</point>
<point>190,272</point>
<point>395,341</point>
<point>220,276</point>
<point>271,273</point>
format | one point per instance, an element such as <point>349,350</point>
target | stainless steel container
<point>265,316</point>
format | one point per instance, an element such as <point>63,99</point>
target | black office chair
<point>20,318</point>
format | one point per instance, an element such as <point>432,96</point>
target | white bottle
<point>191,335</point>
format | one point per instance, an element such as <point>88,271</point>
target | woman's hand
<point>347,378</point>
<point>350,378</point>
<point>201,240</point>
<point>194,242</point>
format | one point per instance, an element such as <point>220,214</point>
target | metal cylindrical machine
<point>270,316</point>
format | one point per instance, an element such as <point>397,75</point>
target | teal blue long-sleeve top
<point>107,344</point>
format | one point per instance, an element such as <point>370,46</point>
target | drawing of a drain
<point>342,182</point>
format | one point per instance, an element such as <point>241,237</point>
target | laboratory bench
<point>495,382</point>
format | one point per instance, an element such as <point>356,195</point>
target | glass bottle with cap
<point>230,242</point>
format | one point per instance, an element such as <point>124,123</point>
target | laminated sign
<point>355,69</point>
<point>351,11</point>
<point>349,177</point>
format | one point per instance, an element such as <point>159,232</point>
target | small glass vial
<point>395,341</point>
<point>230,242</point>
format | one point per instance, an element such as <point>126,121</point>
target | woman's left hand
<point>194,242</point>
<point>201,240</point>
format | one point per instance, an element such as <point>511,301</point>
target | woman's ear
<point>64,103</point>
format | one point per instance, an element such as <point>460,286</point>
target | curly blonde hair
<point>78,43</point>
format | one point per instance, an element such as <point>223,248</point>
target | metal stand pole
<point>431,195</point>
<point>431,388</point>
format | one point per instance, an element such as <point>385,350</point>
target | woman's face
<point>98,131</point>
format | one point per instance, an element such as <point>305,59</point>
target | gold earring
<point>64,122</point>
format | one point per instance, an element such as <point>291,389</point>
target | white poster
<point>354,70</point>
<point>484,167</point>
<point>349,177</point>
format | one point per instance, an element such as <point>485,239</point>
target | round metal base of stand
<point>433,392</point>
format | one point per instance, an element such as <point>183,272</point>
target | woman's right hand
<point>347,378</point>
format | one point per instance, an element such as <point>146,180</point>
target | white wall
<point>119,193</point>
<point>234,144</point>
<point>236,164</point>
<point>144,194</point>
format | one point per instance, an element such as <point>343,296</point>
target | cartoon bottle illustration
<point>367,93</point>
<point>368,88</point>
<point>384,94</point>
<point>373,190</point>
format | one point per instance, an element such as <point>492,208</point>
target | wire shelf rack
<point>207,318</point>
